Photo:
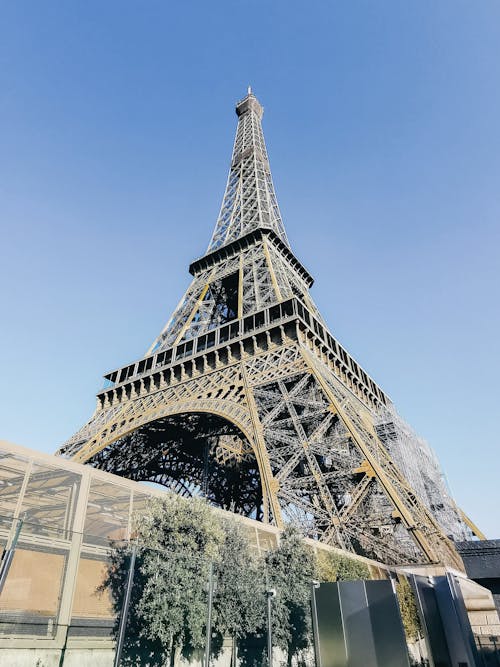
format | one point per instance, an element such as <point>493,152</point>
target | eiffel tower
<point>247,398</point>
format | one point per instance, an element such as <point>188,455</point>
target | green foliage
<point>290,570</point>
<point>332,566</point>
<point>177,540</point>
<point>138,650</point>
<point>238,607</point>
<point>239,601</point>
<point>182,538</point>
<point>408,608</point>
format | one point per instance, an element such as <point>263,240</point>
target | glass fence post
<point>8,555</point>
<point>126,602</point>
<point>270,594</point>
<point>209,615</point>
<point>317,655</point>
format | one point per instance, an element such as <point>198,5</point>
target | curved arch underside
<point>193,454</point>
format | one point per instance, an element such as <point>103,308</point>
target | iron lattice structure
<point>247,398</point>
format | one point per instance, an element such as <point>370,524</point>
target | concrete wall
<point>482,564</point>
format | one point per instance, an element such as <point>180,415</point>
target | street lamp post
<point>270,594</point>
<point>208,642</point>
<point>317,655</point>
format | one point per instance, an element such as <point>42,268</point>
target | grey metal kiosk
<point>359,625</point>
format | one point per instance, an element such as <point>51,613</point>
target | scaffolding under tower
<point>419,464</point>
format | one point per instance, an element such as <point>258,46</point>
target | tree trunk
<point>175,656</point>
<point>234,652</point>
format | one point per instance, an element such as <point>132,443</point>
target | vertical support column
<point>270,594</point>
<point>208,643</point>
<point>277,290</point>
<point>69,581</point>
<point>314,613</point>
<point>240,288</point>
<point>8,554</point>
<point>124,613</point>
<point>269,482</point>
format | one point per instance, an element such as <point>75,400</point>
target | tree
<point>177,541</point>
<point>408,608</point>
<point>182,538</point>
<point>240,589</point>
<point>332,566</point>
<point>290,570</point>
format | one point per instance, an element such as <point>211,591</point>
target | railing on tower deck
<point>240,329</point>
<point>232,331</point>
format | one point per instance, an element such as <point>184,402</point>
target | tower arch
<point>193,452</point>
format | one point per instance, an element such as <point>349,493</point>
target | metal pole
<point>270,594</point>
<point>8,555</point>
<point>208,642</point>
<point>317,655</point>
<point>125,606</point>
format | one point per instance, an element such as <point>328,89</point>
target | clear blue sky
<point>382,122</point>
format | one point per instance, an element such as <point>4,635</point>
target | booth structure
<point>359,624</point>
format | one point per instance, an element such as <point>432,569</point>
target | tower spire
<point>249,200</point>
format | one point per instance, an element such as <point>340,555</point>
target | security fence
<point>60,524</point>
<point>64,528</point>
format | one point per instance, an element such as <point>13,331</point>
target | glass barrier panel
<point>108,513</point>
<point>12,473</point>
<point>30,599</point>
<point>140,505</point>
<point>49,503</point>
<point>92,613</point>
<point>414,632</point>
<point>5,529</point>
